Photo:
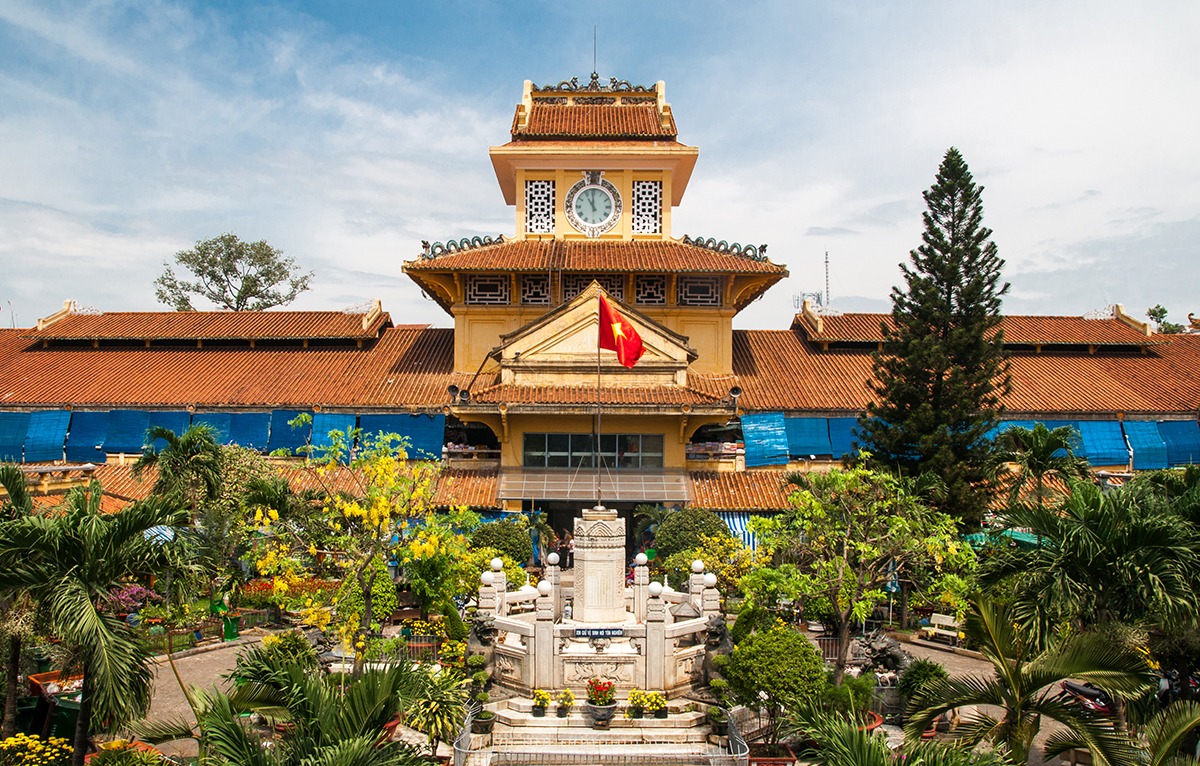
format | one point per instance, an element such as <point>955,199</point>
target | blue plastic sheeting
<point>46,435</point>
<point>426,433</point>
<point>324,422</point>
<point>217,421</point>
<point>126,431</point>
<point>1103,442</point>
<point>766,439</point>
<point>284,436</point>
<point>739,524</point>
<point>250,429</point>
<point>841,436</point>
<point>176,421</point>
<point>808,436</point>
<point>1149,449</point>
<point>1182,438</point>
<point>85,437</point>
<point>13,427</point>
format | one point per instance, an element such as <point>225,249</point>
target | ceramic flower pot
<point>602,715</point>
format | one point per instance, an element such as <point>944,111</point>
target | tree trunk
<point>843,658</point>
<point>367,584</point>
<point>14,670</point>
<point>84,724</point>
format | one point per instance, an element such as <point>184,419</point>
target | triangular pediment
<point>559,348</point>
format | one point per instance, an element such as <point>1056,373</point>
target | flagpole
<point>596,459</point>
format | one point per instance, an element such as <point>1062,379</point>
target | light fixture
<point>464,396</point>
<point>544,587</point>
<point>497,564</point>
<point>698,566</point>
<point>487,578</point>
<point>452,390</point>
<point>640,559</point>
<point>735,392</point>
<point>710,580</point>
<point>656,589</point>
<point>552,559</point>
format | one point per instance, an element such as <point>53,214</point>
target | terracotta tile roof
<point>737,491</point>
<point>778,370</point>
<point>408,366</point>
<point>584,394</point>
<point>214,325</point>
<point>650,256</point>
<point>118,481</point>
<point>629,121</point>
<point>1018,329</point>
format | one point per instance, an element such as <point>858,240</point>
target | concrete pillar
<point>542,647</point>
<point>696,590</point>
<point>656,644</point>
<point>599,567</point>
<point>501,586</point>
<point>553,575</point>
<point>641,579</point>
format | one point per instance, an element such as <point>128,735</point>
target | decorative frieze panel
<point>535,290</point>
<point>488,290</point>
<point>647,207</point>
<point>650,290</point>
<point>694,290</point>
<point>539,207</point>
<point>574,284</point>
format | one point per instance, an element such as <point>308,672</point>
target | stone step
<point>581,718</point>
<point>599,754</point>
<point>505,735</point>
<point>674,707</point>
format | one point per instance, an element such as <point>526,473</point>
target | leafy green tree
<point>1024,687</point>
<point>1158,315</point>
<point>725,556</point>
<point>508,535</point>
<point>942,371</point>
<point>1030,456</point>
<point>687,528</point>
<point>772,668</point>
<point>1124,556</point>
<point>16,610</point>
<point>232,274</point>
<point>188,466</point>
<point>848,532</point>
<point>69,562</point>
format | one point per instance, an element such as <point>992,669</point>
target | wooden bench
<point>942,626</point>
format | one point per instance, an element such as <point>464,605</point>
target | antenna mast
<point>594,26</point>
<point>826,278</point>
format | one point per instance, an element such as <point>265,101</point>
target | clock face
<point>594,205</point>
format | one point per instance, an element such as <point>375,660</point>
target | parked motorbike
<point>1090,697</point>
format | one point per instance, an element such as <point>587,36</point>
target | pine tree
<point>942,370</point>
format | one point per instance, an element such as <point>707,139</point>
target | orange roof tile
<point>743,490</point>
<point>636,121</point>
<point>213,325</point>
<point>1018,329</point>
<point>585,394</point>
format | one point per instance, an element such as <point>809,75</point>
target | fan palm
<point>189,466</point>
<point>1122,556</point>
<point>15,608</point>
<point>1030,456</point>
<point>1023,689</point>
<point>68,562</point>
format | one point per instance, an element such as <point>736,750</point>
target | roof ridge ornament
<point>595,86</point>
<point>457,246</point>
<point>752,252</point>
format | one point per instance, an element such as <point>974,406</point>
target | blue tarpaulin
<point>1103,442</point>
<point>1183,441</point>
<point>426,433</point>
<point>176,421</point>
<point>217,421</point>
<point>85,437</point>
<point>808,436</point>
<point>766,439</point>
<point>13,427</point>
<point>841,436</point>
<point>324,422</point>
<point>283,436</point>
<point>126,431</point>
<point>250,429</point>
<point>46,435</point>
<point>1149,449</point>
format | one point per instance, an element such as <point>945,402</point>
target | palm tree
<point>441,709</point>
<point>1024,687</point>
<point>1033,455</point>
<point>68,562</point>
<point>189,466</point>
<point>647,517</point>
<point>1168,730</point>
<point>843,741</point>
<point>335,722</point>
<point>15,610</point>
<point>1124,556</point>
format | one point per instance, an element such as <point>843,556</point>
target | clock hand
<point>592,202</point>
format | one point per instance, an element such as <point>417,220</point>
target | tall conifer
<point>942,370</point>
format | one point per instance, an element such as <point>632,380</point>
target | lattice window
<point>647,207</point>
<point>650,290</point>
<point>539,207</point>
<point>698,291</point>
<point>488,290</point>
<point>535,290</point>
<point>574,284</point>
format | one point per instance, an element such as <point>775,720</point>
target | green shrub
<point>770,668</point>
<point>384,600</point>
<point>456,630</point>
<point>916,675</point>
<point>481,677</point>
<point>818,609</point>
<point>510,536</point>
<point>752,618</point>
<point>476,661</point>
<point>685,529</point>
<point>852,698</point>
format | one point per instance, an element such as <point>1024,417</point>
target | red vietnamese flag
<point>616,334</point>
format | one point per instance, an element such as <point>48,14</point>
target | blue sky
<point>344,133</point>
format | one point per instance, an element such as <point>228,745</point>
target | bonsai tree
<point>771,668</point>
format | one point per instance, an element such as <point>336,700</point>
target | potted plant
<point>718,719</point>
<point>565,700</point>
<point>484,720</point>
<point>541,701</point>
<point>601,701</point>
<point>636,705</point>
<point>656,703</point>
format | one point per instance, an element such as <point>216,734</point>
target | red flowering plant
<point>600,692</point>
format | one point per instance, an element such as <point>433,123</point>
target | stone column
<point>711,602</point>
<point>599,567</point>
<point>542,647</point>
<point>656,644</point>
<point>696,590</point>
<point>553,575</point>
<point>501,587</point>
<point>641,579</point>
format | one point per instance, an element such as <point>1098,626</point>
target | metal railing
<point>739,749</point>
<point>462,743</point>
